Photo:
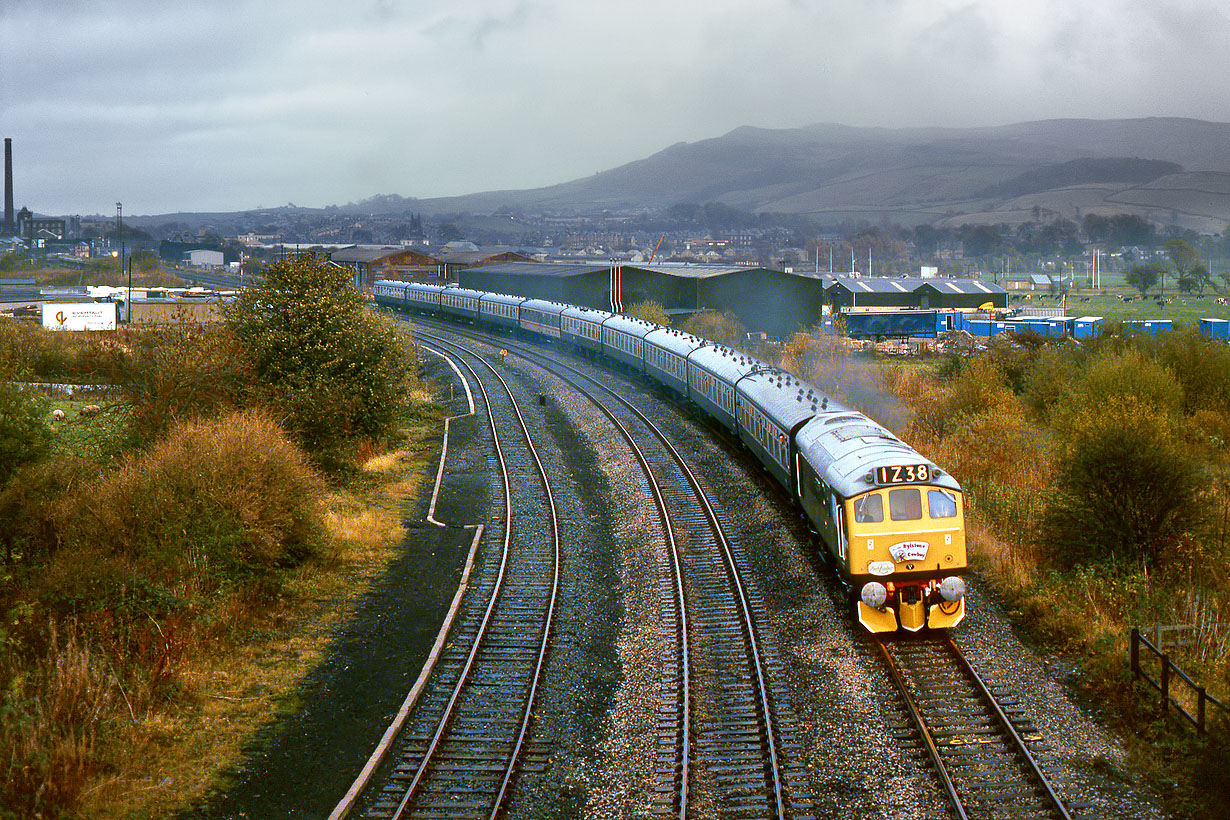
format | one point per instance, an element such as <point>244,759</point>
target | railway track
<point>722,735</point>
<point>985,756</point>
<point>466,739</point>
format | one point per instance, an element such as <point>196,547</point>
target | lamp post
<point>119,231</point>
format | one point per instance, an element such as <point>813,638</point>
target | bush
<point>1200,366</point>
<point>1127,490</point>
<point>1053,379</point>
<point>37,506</point>
<point>24,434</point>
<point>981,387</point>
<point>723,328</point>
<point>168,374</point>
<point>50,723</point>
<point>1112,374</point>
<point>218,502</point>
<point>335,372</point>
<point>29,353</point>
<point>650,311</point>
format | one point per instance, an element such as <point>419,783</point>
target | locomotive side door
<point>840,518</point>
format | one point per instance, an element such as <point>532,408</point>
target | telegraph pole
<point>119,233</point>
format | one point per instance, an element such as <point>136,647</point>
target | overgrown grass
<point>160,602</point>
<point>137,663</point>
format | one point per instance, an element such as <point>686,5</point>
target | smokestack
<point>8,184</point>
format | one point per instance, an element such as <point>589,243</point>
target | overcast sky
<point>197,105</point>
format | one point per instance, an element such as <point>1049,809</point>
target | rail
<point>1168,673</point>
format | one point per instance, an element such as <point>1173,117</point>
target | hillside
<point>1168,170</point>
<point>1161,168</point>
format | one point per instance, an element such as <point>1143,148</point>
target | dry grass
<point>990,553</point>
<point>139,717</point>
<point>178,754</point>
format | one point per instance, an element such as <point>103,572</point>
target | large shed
<point>766,301</point>
<point>846,294</point>
<point>587,285</point>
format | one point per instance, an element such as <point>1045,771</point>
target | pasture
<point>1184,309</point>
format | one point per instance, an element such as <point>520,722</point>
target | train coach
<point>713,372</point>
<point>500,309</point>
<point>541,318</point>
<point>891,521</point>
<point>461,303</point>
<point>581,327</point>
<point>666,357</point>
<point>771,405</point>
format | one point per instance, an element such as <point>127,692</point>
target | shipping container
<point>1215,329</point>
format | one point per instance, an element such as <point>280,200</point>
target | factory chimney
<point>8,185</point>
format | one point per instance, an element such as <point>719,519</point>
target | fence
<point>1169,674</point>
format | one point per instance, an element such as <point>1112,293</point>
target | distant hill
<point>1168,170</point>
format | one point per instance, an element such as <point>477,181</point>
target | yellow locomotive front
<point>906,550</point>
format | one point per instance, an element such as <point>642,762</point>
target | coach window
<point>869,509</point>
<point>941,504</point>
<point>905,504</point>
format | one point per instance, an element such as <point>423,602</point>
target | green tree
<point>333,370</point>
<point>1144,276</point>
<point>650,311</point>
<point>1185,258</point>
<point>722,328</point>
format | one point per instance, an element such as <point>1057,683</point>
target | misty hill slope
<point>1162,168</point>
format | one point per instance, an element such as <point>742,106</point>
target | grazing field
<point>1185,310</point>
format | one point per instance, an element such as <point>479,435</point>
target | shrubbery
<point>1127,490</point>
<point>172,373</point>
<point>1097,478</point>
<point>116,568</point>
<point>114,575</point>
<point>24,436</point>
<point>333,371</point>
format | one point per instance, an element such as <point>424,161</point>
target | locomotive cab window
<point>941,504</point>
<point>905,504</point>
<point>869,509</point>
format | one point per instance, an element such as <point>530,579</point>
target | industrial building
<point>765,301</point>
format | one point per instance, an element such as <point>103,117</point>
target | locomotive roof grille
<point>862,431</point>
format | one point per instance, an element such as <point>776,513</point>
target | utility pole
<point>119,234</point>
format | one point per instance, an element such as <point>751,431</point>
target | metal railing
<point>1169,673</point>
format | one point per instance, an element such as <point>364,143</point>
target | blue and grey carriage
<point>666,356</point>
<point>623,339</point>
<point>461,303</point>
<point>770,407</point>
<point>713,371</point>
<point>581,327</point>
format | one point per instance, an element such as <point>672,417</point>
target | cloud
<point>228,104</point>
